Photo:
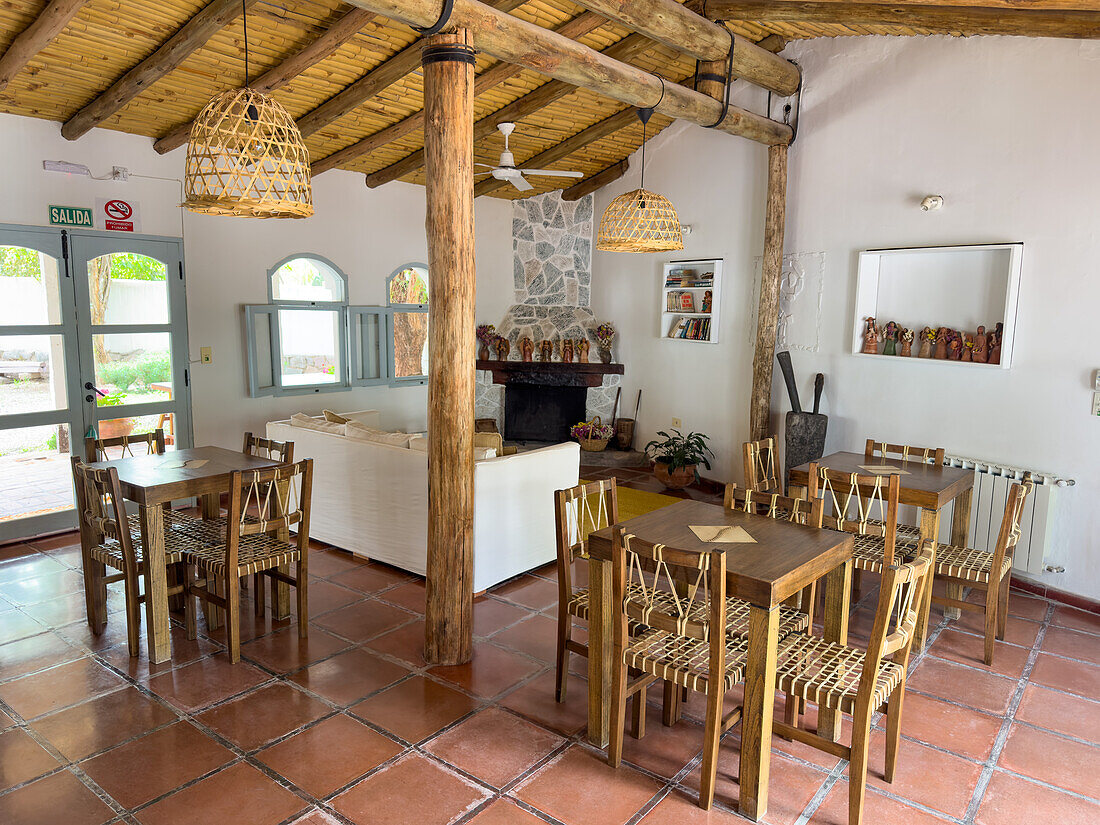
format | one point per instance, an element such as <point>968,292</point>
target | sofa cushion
<point>310,423</point>
<point>419,443</point>
<point>361,432</point>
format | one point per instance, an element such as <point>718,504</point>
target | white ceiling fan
<point>507,171</point>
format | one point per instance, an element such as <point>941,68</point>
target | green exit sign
<point>70,216</point>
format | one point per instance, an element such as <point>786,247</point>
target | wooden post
<point>768,313</point>
<point>449,155</point>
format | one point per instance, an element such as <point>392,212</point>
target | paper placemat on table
<point>883,469</point>
<point>722,533</point>
<point>190,464</point>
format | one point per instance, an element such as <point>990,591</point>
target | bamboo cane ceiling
<point>107,38</point>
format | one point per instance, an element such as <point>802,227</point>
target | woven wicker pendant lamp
<point>246,157</point>
<point>640,220</point>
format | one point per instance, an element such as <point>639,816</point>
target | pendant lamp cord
<point>244,18</point>
<point>644,115</point>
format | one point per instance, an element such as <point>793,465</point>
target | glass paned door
<point>133,336</point>
<point>40,413</point>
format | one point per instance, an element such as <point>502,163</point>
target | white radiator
<point>987,505</point>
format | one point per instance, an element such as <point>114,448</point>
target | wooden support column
<point>767,317</point>
<point>449,156</point>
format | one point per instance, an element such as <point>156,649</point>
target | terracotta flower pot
<point>113,428</point>
<point>678,479</point>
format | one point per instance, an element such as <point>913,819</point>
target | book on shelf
<point>691,329</point>
<point>687,302</point>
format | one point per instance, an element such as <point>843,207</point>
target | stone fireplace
<point>552,277</point>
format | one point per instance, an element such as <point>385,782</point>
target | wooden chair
<point>579,511</point>
<point>907,533</point>
<point>866,505</point>
<point>282,451</point>
<point>859,682</point>
<point>684,643</point>
<point>761,460</point>
<point>95,449</point>
<point>985,571</point>
<point>109,539</point>
<point>257,543</point>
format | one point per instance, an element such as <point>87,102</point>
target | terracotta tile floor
<point>353,727</point>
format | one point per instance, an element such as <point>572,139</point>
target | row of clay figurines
<point>569,348</point>
<point>942,343</point>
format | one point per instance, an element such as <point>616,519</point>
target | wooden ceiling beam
<point>191,37</point>
<point>597,181</point>
<point>574,28</point>
<point>527,44</point>
<point>306,57</point>
<point>385,74</point>
<point>49,24</point>
<point>680,28</point>
<point>517,110</point>
<point>560,151</point>
<point>917,14</point>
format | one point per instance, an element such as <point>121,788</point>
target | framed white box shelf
<point>685,313</point>
<point>959,287</point>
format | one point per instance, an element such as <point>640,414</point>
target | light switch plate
<point>1096,381</point>
<point>1096,403</point>
<point>206,355</point>
<point>676,424</point>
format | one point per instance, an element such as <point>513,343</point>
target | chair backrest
<point>681,592</point>
<point>271,499</point>
<point>796,510</point>
<point>923,455</point>
<point>100,509</point>
<point>900,597</point>
<point>866,505</point>
<point>95,449</point>
<point>266,448</point>
<point>1009,533</point>
<point>493,440</point>
<point>761,460</point>
<point>579,511</point>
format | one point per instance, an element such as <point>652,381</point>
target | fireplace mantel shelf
<point>550,373</point>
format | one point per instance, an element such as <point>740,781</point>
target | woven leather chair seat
<point>868,553</point>
<point>828,673</point>
<point>907,534</point>
<point>262,551</point>
<point>176,542</point>
<point>967,563</point>
<point>683,661</point>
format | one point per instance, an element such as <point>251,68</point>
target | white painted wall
<point>366,232</point>
<point>999,128</point>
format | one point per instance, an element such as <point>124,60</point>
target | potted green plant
<point>112,428</point>
<point>676,457</point>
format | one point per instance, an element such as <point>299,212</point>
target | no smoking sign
<point>117,214</point>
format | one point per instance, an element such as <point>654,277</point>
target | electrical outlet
<point>206,355</point>
<point>1096,381</point>
<point>1096,403</point>
<point>676,423</point>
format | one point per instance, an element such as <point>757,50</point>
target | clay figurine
<point>927,336</point>
<point>527,348</point>
<point>567,350</point>
<point>582,350</point>
<point>981,346</point>
<point>871,337</point>
<point>967,347</point>
<point>954,347</point>
<point>708,296</point>
<point>503,346</point>
<point>890,336</point>
<point>941,343</point>
<point>995,339</point>
<point>906,336</point>
<point>546,350</point>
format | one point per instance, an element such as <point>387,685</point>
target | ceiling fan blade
<point>552,172</point>
<point>517,180</point>
<point>486,165</point>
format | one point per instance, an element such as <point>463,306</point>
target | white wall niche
<point>960,287</point>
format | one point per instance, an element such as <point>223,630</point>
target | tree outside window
<point>408,295</point>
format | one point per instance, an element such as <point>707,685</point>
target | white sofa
<point>372,499</point>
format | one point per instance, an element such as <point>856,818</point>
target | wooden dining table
<point>929,487</point>
<point>150,481</point>
<point>783,559</point>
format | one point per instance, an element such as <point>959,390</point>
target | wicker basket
<point>594,445</point>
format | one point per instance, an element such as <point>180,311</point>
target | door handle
<point>88,385</point>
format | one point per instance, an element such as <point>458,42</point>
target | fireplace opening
<point>538,412</point>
